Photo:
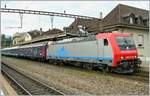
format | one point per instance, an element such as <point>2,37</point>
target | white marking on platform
<point>1,93</point>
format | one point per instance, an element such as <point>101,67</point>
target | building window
<point>126,20</point>
<point>140,20</point>
<point>140,40</point>
<point>145,22</point>
<point>136,20</point>
<point>131,20</point>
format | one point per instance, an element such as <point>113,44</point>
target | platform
<point>6,89</point>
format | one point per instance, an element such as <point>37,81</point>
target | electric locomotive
<point>107,51</point>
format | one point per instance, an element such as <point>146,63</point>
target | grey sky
<point>30,22</point>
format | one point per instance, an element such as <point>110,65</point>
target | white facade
<point>19,38</point>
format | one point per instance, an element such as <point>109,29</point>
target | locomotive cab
<point>125,55</point>
<point>129,60</point>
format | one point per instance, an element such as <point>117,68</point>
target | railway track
<point>136,77</point>
<point>28,85</point>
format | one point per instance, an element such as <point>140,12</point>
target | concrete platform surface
<point>6,89</point>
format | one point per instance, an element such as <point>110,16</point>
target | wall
<point>18,38</point>
<point>27,37</point>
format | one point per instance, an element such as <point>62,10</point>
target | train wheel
<point>106,69</point>
<point>84,65</point>
<point>60,63</point>
<point>88,66</point>
<point>110,69</point>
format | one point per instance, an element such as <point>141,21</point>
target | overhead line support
<point>22,11</point>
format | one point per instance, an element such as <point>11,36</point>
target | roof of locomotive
<point>104,35</point>
<point>75,39</point>
<point>89,38</point>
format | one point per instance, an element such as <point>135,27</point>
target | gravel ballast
<point>74,81</point>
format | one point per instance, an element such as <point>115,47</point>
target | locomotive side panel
<point>78,51</point>
<point>87,51</point>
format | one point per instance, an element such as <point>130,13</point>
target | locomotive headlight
<point>135,56</point>
<point>122,57</point>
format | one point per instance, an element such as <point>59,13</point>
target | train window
<point>105,42</point>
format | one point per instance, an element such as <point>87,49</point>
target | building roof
<point>37,33</point>
<point>120,11</point>
<point>17,34</point>
<point>91,25</point>
<point>114,18</point>
<point>34,33</point>
<point>52,32</point>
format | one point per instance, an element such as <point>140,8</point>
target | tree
<point>6,41</point>
<point>2,40</point>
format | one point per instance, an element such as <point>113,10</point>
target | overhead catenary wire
<point>44,13</point>
<point>51,14</point>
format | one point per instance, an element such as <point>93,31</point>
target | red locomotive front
<point>126,53</point>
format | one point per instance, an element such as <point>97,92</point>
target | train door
<point>46,47</point>
<point>105,51</point>
<point>105,48</point>
<point>100,50</point>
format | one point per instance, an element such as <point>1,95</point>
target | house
<point>20,38</point>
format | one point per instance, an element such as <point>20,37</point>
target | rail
<point>24,82</point>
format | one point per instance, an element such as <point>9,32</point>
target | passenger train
<point>113,52</point>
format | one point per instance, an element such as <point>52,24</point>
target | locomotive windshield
<point>125,42</point>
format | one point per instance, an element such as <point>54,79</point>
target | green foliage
<point>5,41</point>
